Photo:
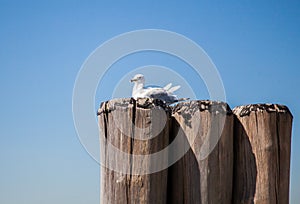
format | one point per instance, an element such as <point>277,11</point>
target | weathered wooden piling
<point>136,129</point>
<point>262,145</point>
<point>223,157</point>
<point>204,174</point>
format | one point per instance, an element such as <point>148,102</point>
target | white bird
<point>166,94</point>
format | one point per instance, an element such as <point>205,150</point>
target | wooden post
<point>240,159</point>
<point>204,174</point>
<point>136,129</point>
<point>262,154</point>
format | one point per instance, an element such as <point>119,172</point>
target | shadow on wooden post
<point>262,154</point>
<point>226,158</point>
<point>245,169</point>
<point>204,174</point>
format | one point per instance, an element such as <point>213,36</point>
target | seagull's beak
<point>132,80</point>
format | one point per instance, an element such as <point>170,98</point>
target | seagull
<point>165,94</point>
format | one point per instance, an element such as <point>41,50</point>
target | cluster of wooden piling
<point>228,156</point>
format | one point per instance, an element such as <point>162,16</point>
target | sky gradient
<point>255,46</point>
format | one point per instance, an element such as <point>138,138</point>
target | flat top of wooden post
<point>145,103</point>
<point>202,105</point>
<point>247,109</point>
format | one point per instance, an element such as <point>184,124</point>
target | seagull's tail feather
<point>168,86</point>
<point>174,88</point>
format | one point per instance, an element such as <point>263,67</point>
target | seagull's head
<point>138,78</point>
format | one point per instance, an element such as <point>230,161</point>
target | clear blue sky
<point>254,44</point>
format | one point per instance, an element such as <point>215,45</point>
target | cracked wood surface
<point>204,174</point>
<point>262,154</point>
<point>135,128</point>
<point>249,164</point>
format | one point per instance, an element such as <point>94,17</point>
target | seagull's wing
<point>153,91</point>
<point>151,86</point>
<point>164,97</point>
<point>168,86</point>
<point>161,94</point>
<point>174,88</point>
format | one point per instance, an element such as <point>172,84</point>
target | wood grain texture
<point>136,128</point>
<point>262,154</point>
<point>248,163</point>
<point>202,176</point>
